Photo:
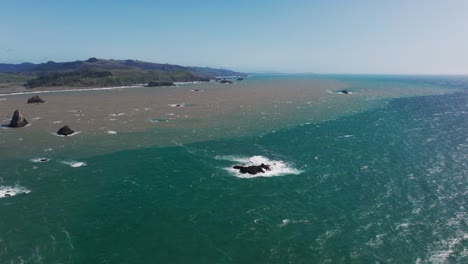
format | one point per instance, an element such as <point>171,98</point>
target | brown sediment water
<point>111,120</point>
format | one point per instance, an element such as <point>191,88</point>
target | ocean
<point>379,176</point>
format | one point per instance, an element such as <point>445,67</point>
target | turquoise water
<point>388,185</point>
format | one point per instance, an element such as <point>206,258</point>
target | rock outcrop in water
<point>344,92</point>
<point>254,169</point>
<point>35,100</point>
<point>65,131</point>
<point>225,81</point>
<point>240,79</point>
<point>159,83</point>
<point>18,120</point>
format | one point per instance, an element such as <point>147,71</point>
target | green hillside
<point>103,78</point>
<point>103,73</point>
<point>14,78</point>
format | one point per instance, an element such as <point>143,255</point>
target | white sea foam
<point>74,164</point>
<point>346,136</point>
<point>111,132</point>
<point>277,167</point>
<point>286,222</point>
<point>8,191</point>
<point>56,122</point>
<point>340,92</point>
<point>6,126</point>
<point>74,134</point>
<point>40,159</point>
<point>118,114</point>
<point>158,120</point>
<point>446,248</point>
<point>178,105</point>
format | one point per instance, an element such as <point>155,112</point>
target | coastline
<point>60,90</point>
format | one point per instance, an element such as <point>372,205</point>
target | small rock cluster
<point>18,120</point>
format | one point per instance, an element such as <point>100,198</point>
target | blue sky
<point>388,37</point>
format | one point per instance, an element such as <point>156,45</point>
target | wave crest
<point>74,164</point>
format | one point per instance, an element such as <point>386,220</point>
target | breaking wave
<point>8,191</point>
<point>277,167</point>
<point>74,164</point>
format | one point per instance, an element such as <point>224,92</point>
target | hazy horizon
<point>356,37</point>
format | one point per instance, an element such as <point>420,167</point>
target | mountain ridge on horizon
<point>100,63</point>
<point>108,72</point>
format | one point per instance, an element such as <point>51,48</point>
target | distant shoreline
<point>26,91</point>
<point>96,72</point>
<point>73,90</point>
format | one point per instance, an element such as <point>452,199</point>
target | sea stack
<point>35,100</point>
<point>254,169</point>
<point>65,131</point>
<point>18,120</point>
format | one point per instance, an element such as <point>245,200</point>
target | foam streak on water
<point>40,159</point>
<point>74,164</point>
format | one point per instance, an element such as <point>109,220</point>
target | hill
<point>14,78</point>
<point>101,73</point>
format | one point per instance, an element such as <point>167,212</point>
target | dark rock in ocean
<point>225,81</point>
<point>65,131</point>
<point>254,169</point>
<point>240,79</point>
<point>18,120</point>
<point>158,84</point>
<point>344,92</point>
<point>35,100</point>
